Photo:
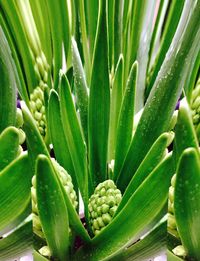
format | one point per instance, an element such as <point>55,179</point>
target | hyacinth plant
<point>98,132</point>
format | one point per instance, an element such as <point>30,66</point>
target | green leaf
<point>15,182</point>
<point>125,123</point>
<point>7,85</point>
<point>143,50</point>
<point>74,137</point>
<point>34,140</point>
<point>52,209</point>
<point>168,34</point>
<point>164,95</point>
<point>86,50</point>
<point>99,103</point>
<point>185,136</point>
<point>17,244</point>
<point>20,39</point>
<point>58,138</point>
<point>150,246</point>
<point>187,203</point>
<point>122,228</point>
<point>9,144</point>
<point>92,8</point>
<point>21,86</point>
<point>56,26</point>
<point>150,162</point>
<point>81,89</point>
<point>115,105</point>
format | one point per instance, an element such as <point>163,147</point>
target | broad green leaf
<point>168,34</point>
<point>58,138</point>
<point>9,143</point>
<point>99,103</point>
<point>52,209</point>
<point>16,29</point>
<point>15,182</point>
<point>185,136</point>
<point>115,105</point>
<point>187,203</point>
<point>74,137</point>
<point>172,257</point>
<point>150,246</point>
<point>17,244</point>
<point>81,89</point>
<point>135,217</point>
<point>150,162</point>
<point>125,122</point>
<point>164,95</point>
<point>7,85</point>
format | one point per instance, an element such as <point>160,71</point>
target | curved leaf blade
<point>187,203</point>
<point>17,244</point>
<point>8,92</point>
<point>150,246</point>
<point>185,136</point>
<point>9,144</point>
<point>15,182</point>
<point>52,209</point>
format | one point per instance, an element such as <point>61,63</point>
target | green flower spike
<point>195,106</point>
<point>38,108</point>
<point>103,205</point>
<point>66,180</point>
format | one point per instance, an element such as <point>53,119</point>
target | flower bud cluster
<point>41,67</point>
<point>103,205</point>
<point>38,108</point>
<point>172,227</point>
<point>67,183</point>
<point>171,223</point>
<point>195,106</point>
<point>19,125</point>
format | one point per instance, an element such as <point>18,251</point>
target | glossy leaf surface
<point>15,192</point>
<point>9,142</point>
<point>99,103</point>
<point>52,209</point>
<point>161,103</point>
<point>187,203</point>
